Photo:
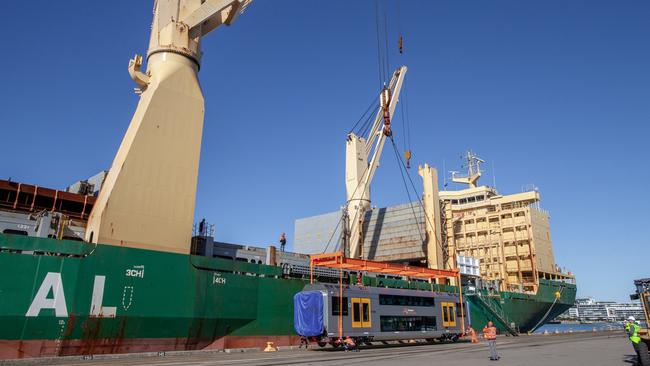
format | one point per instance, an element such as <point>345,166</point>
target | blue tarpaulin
<point>308,313</point>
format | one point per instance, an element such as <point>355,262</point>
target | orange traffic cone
<point>270,347</point>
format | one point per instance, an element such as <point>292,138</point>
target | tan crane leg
<point>431,203</point>
<point>148,197</point>
<point>147,200</point>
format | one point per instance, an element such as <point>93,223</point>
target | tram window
<point>407,323</point>
<point>356,313</point>
<point>336,303</point>
<point>445,315</point>
<point>406,300</point>
<point>366,312</point>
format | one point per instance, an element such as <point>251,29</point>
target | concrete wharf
<point>608,348</point>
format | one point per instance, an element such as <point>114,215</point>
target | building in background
<point>587,310</point>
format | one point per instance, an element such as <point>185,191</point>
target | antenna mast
<point>473,165</point>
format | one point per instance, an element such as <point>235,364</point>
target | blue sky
<point>551,93</point>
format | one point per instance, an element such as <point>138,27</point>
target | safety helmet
<point>631,318</point>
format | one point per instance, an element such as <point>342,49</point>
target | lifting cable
<point>380,57</point>
<point>406,125</point>
<point>341,218</point>
<point>366,121</point>
<point>383,60</point>
<point>408,193</point>
<point>400,41</point>
<point>402,166</point>
<point>365,117</point>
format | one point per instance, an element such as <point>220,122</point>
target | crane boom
<point>360,166</point>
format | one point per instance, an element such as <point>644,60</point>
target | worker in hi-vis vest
<point>632,329</point>
<point>628,322</point>
<point>490,334</point>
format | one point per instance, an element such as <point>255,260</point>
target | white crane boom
<point>360,167</point>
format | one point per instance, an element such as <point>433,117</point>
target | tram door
<point>361,313</point>
<point>448,314</point>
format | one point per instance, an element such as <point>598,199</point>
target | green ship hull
<point>61,297</point>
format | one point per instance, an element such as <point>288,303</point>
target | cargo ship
<point>501,244</point>
<point>112,264</point>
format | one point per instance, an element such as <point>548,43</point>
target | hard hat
<point>631,318</point>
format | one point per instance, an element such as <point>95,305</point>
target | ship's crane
<point>362,155</point>
<point>148,197</point>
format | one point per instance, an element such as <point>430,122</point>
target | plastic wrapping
<point>308,313</point>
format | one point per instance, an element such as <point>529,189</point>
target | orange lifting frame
<point>338,260</point>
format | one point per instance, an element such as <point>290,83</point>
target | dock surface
<point>589,348</point>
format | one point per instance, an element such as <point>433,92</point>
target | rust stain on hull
<point>12,349</point>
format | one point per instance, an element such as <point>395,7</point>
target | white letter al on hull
<point>53,282</point>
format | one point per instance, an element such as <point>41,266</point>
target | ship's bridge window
<point>471,199</point>
<point>463,201</point>
<point>454,202</point>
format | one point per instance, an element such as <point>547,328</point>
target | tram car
<point>377,314</point>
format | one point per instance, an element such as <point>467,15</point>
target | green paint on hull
<point>525,311</point>
<point>178,296</point>
<point>194,300</point>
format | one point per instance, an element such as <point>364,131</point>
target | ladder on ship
<point>498,314</point>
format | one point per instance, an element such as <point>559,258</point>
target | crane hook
<point>407,157</point>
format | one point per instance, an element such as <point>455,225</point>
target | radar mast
<point>473,165</point>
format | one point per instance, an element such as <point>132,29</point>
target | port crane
<point>362,154</point>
